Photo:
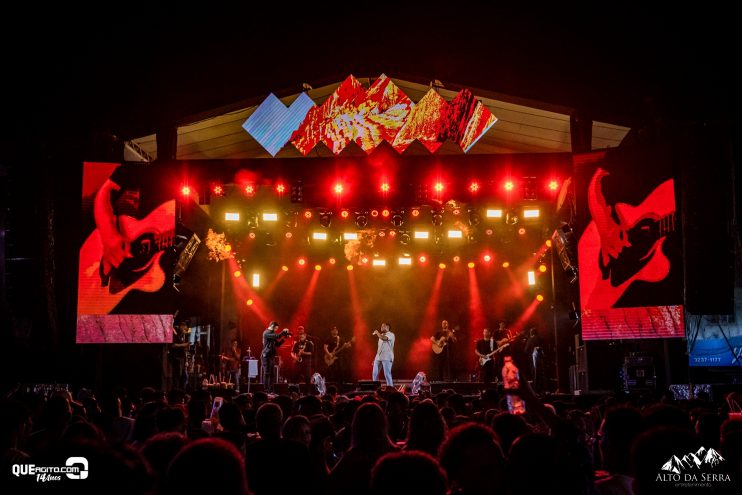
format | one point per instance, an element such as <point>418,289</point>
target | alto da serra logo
<point>694,469</point>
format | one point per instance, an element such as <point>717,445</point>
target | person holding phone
<point>272,339</point>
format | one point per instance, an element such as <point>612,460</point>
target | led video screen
<point>716,340</point>
<point>125,260</point>
<point>629,248</point>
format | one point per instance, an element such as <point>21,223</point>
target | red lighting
<point>332,261</point>
<point>374,213</point>
<point>438,187</point>
<point>382,233</point>
<point>338,188</point>
<point>385,187</point>
<point>456,259</point>
<point>553,185</point>
<point>542,268</point>
<point>289,235</point>
<point>185,191</point>
<point>280,188</point>
<point>505,264</point>
<point>488,232</point>
<point>318,267</point>
<point>522,231</point>
<point>539,297</point>
<point>442,266</point>
<point>251,235</point>
<point>385,213</point>
<point>217,190</point>
<point>364,260</point>
<point>237,274</point>
<point>392,233</point>
<point>249,302</point>
<point>308,214</point>
<point>487,258</point>
<point>509,185</point>
<point>548,243</point>
<point>474,187</point>
<point>302,262</point>
<point>345,213</point>
<point>456,211</point>
<point>249,189</point>
<point>349,268</point>
<point>415,212</point>
<point>285,268</point>
<point>470,264</point>
<point>422,259</point>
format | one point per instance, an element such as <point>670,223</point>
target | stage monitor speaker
<point>369,385</point>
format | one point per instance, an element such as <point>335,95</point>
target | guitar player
<point>338,371</point>
<point>441,360</point>
<point>487,351</point>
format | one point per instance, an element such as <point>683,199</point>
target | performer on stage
<point>231,359</point>
<point>384,354</point>
<point>442,352</point>
<point>301,353</point>
<point>336,357</point>
<point>272,339</point>
<point>487,350</point>
<point>177,354</point>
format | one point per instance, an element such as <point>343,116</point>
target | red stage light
<point>415,212</point>
<point>280,188</point>
<point>385,213</point>
<point>487,258</point>
<point>505,264</point>
<point>364,260</point>
<point>289,235</point>
<point>318,267</point>
<point>442,266</point>
<point>228,247</point>
<point>349,268</point>
<point>438,187</point>
<point>251,235</point>
<point>338,188</point>
<point>542,268</point>
<point>217,190</point>
<point>539,297</point>
<point>474,187</point>
<point>392,233</point>
<point>237,274</point>
<point>488,231</point>
<point>456,259</point>
<point>249,302</point>
<point>553,185</point>
<point>374,213</point>
<point>522,231</point>
<point>185,191</point>
<point>285,268</point>
<point>548,243</point>
<point>471,264</point>
<point>249,189</point>
<point>509,185</point>
<point>456,211</point>
<point>345,213</point>
<point>332,261</point>
<point>422,259</point>
<point>302,262</point>
<point>385,187</point>
<point>382,233</point>
<point>308,214</point>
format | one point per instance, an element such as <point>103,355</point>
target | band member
<point>335,357</point>
<point>272,339</point>
<point>442,352</point>
<point>486,349</point>
<point>384,354</point>
<point>177,354</point>
<point>231,361</point>
<point>535,354</point>
<point>301,353</point>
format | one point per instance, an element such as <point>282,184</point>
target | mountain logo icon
<point>693,461</point>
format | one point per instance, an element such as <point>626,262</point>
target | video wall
<point>125,270</point>
<point>629,248</point>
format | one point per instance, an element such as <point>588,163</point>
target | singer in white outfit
<point>384,354</point>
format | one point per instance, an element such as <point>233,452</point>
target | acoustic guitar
<point>440,344</point>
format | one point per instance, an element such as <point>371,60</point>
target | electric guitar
<point>488,357</point>
<point>440,344</point>
<point>101,287</point>
<point>333,356</point>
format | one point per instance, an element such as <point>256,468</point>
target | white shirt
<point>385,351</point>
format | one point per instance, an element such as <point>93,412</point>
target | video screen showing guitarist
<point>125,260</point>
<point>442,342</point>
<point>630,259</point>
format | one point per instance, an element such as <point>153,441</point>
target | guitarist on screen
<point>441,344</point>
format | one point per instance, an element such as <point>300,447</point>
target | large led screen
<point>629,248</point>
<point>125,270</point>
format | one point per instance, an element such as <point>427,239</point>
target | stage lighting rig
<point>398,218</point>
<point>325,219</point>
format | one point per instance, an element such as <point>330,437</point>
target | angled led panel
<point>272,123</point>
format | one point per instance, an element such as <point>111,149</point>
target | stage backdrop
<point>125,271</point>
<point>629,248</point>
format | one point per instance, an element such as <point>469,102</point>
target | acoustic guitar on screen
<point>102,287</point>
<point>630,250</point>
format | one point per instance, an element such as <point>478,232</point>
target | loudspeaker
<point>369,385</point>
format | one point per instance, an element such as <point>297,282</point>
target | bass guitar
<point>488,357</point>
<point>333,356</point>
